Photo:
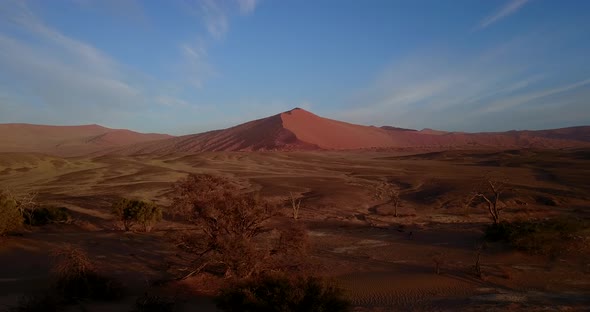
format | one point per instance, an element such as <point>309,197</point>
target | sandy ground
<point>355,239</point>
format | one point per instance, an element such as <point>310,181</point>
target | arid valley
<point>294,156</point>
<point>417,256</point>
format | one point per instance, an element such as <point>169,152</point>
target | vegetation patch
<point>153,303</point>
<point>10,216</point>
<point>77,279</point>
<point>549,237</point>
<point>46,215</point>
<point>132,212</point>
<point>271,293</point>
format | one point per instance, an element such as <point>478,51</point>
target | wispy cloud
<point>49,77</point>
<point>510,8</point>
<point>215,16</point>
<point>511,102</point>
<point>247,6</point>
<point>195,66</point>
<point>451,91</point>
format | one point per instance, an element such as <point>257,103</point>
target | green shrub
<point>131,212</point>
<point>46,215</point>
<point>153,303</point>
<point>537,237</point>
<point>10,217</point>
<point>272,293</point>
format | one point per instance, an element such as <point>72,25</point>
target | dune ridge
<point>68,140</point>
<point>293,130</point>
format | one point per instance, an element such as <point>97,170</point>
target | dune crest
<point>296,129</point>
<point>68,140</point>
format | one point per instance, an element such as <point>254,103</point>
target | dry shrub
<point>77,278</point>
<point>45,215</point>
<point>295,205</point>
<point>278,292</point>
<point>292,249</point>
<point>439,260</point>
<point>232,223</point>
<point>154,303</point>
<point>544,237</point>
<point>390,193</point>
<point>11,218</point>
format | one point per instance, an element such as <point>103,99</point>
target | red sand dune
<point>298,129</point>
<point>67,140</point>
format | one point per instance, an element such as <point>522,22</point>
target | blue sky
<point>188,66</point>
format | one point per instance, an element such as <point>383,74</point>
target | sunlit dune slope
<point>67,140</point>
<point>299,129</point>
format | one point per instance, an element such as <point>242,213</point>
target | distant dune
<point>68,140</point>
<point>296,129</point>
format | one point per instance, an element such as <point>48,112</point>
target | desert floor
<point>383,262</point>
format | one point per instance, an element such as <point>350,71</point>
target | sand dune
<point>67,140</point>
<point>298,129</point>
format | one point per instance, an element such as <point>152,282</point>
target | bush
<point>231,221</point>
<point>77,278</point>
<point>537,237</point>
<point>130,212</point>
<point>46,215</point>
<point>152,303</point>
<point>10,217</point>
<point>282,293</point>
<point>36,303</point>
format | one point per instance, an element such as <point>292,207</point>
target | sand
<point>365,249</point>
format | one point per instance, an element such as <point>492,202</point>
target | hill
<point>68,140</point>
<point>298,129</point>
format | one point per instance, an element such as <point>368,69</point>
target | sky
<point>187,66</point>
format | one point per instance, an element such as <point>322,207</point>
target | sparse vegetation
<point>271,293</point>
<point>132,212</point>
<point>547,237</point>
<point>390,193</point>
<point>479,247</point>
<point>46,215</point>
<point>439,259</point>
<point>491,197</point>
<point>295,205</point>
<point>154,303</point>
<point>10,216</point>
<point>232,223</point>
<point>78,279</point>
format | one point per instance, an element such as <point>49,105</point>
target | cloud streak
<point>215,16</point>
<point>48,77</point>
<point>485,91</point>
<point>510,8</point>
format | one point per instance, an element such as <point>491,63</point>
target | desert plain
<point>383,262</point>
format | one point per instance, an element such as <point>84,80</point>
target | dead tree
<point>295,205</point>
<point>390,193</point>
<point>490,193</point>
